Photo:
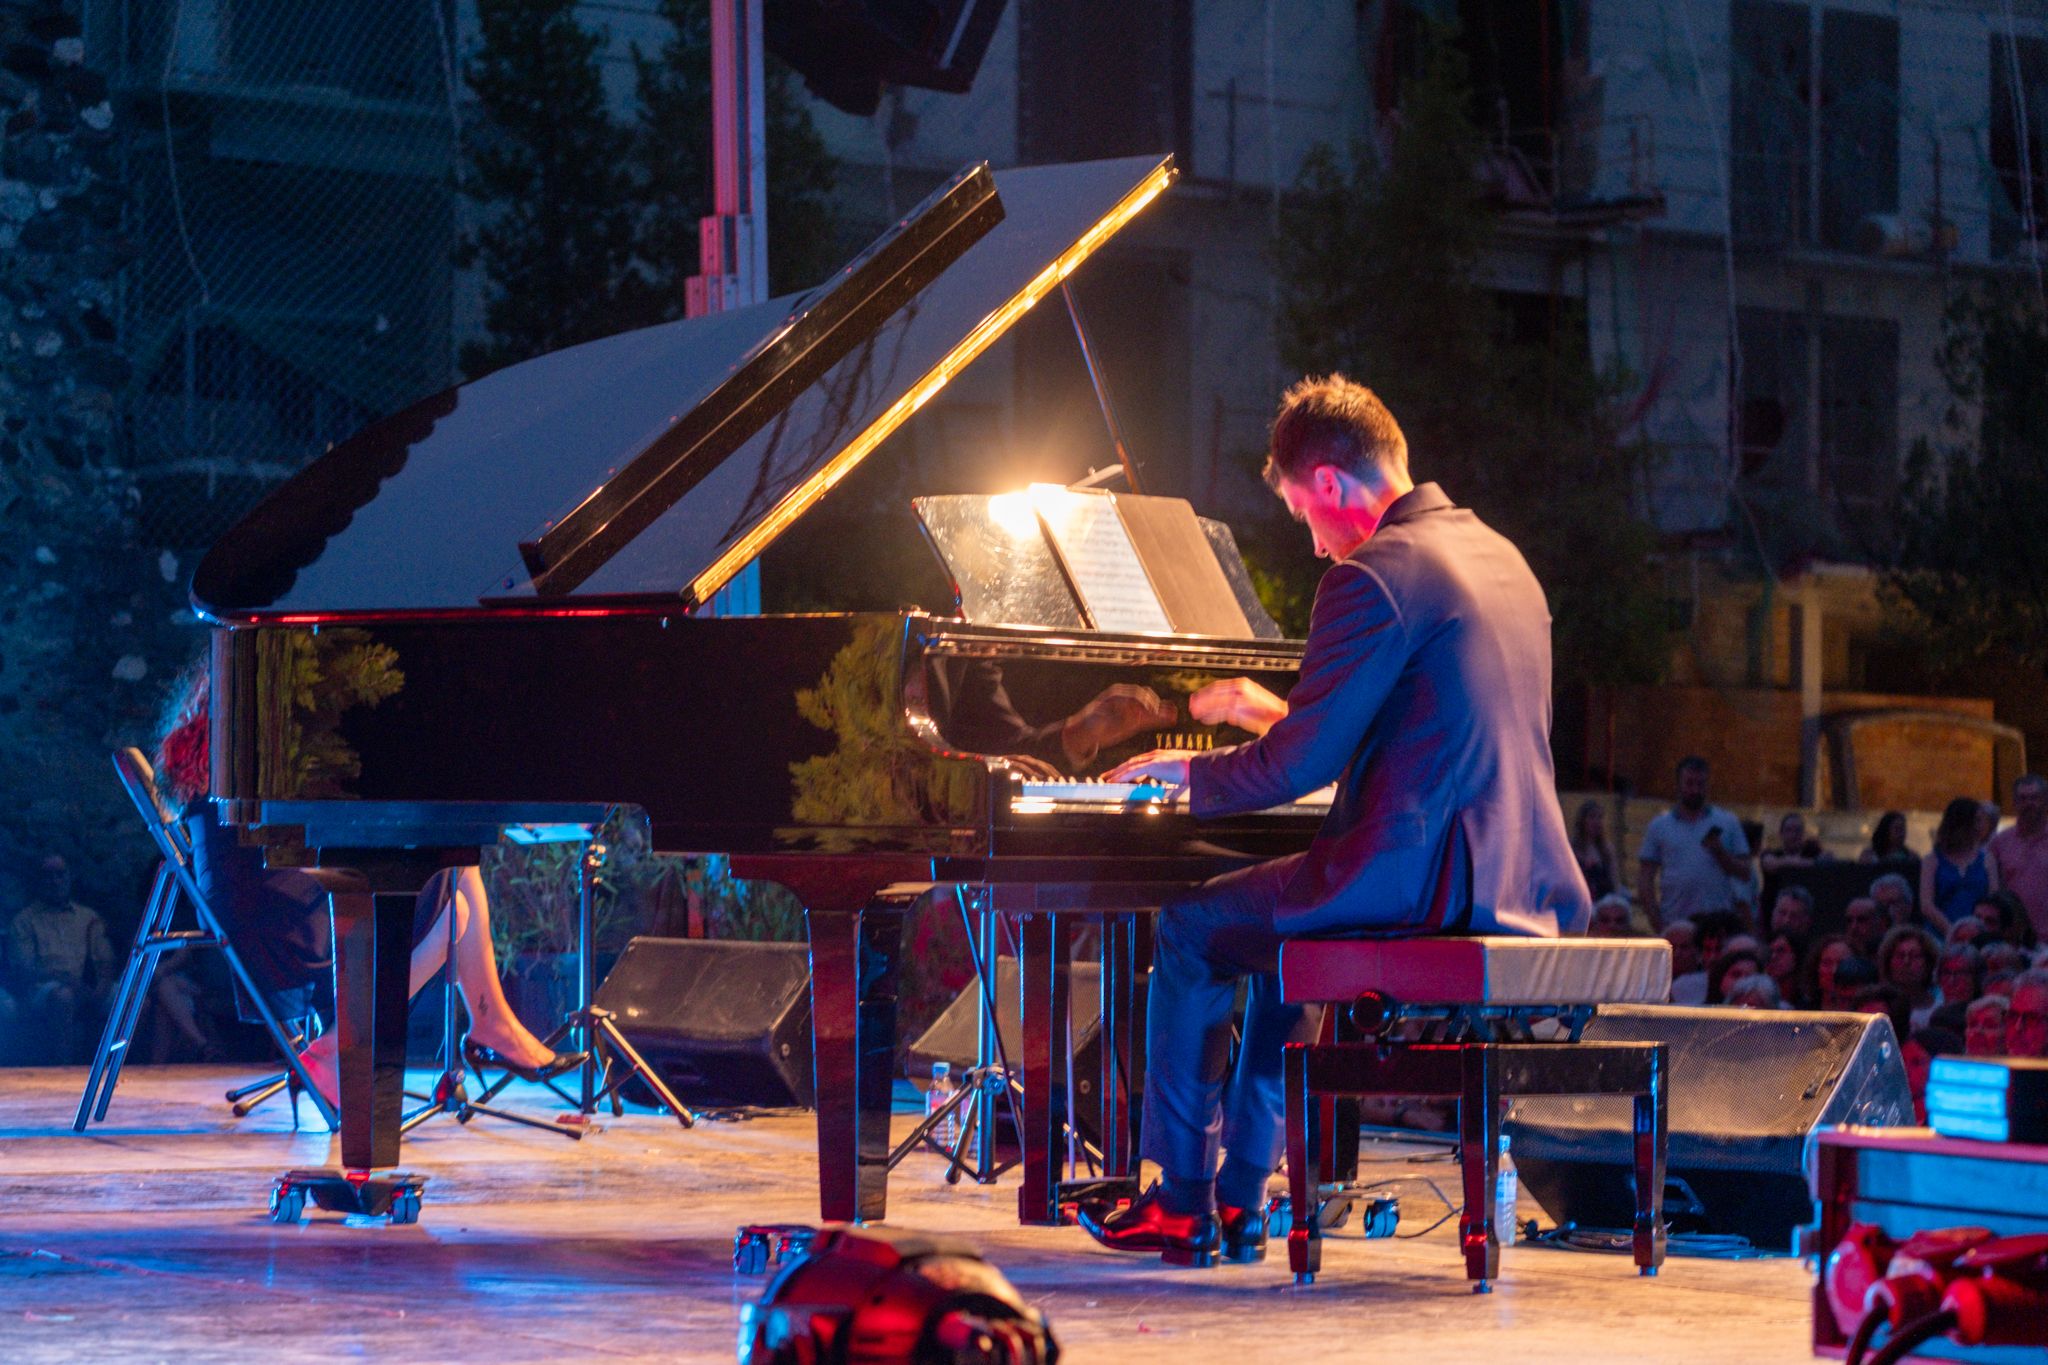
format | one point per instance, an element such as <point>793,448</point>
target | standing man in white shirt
<point>1692,854</point>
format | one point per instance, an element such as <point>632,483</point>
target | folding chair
<point>155,936</point>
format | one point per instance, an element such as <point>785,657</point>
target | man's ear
<point>1329,485</point>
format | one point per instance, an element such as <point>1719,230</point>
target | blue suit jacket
<point>1425,696</point>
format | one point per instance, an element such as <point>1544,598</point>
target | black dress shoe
<point>1242,1234</point>
<point>561,1064</point>
<point>1189,1239</point>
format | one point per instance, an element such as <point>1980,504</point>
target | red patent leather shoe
<point>1145,1225</point>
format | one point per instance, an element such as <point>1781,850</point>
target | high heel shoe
<point>294,1088</point>
<point>561,1064</point>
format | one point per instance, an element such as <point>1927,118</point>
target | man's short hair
<point>1756,991</point>
<point>1691,763</point>
<point>1797,893</point>
<point>1336,422</point>
<point>1892,881</point>
<point>1986,1004</point>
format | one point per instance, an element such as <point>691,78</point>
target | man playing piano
<point>1425,696</point>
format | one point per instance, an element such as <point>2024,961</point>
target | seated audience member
<point>1959,975</point>
<point>1894,897</point>
<point>1888,841</point>
<point>1784,963</point>
<point>2026,1017</point>
<point>1864,922</point>
<point>1755,992</point>
<point>1792,913</point>
<point>1905,962</point>
<point>1984,1026</point>
<point>1958,871</point>
<point>1891,1003</point>
<point>1999,983</point>
<point>1817,971</point>
<point>1918,1053</point>
<point>1713,932</point>
<point>62,964</point>
<point>1853,976</point>
<point>2002,957</point>
<point>1613,917</point>
<point>2002,914</point>
<point>1686,963</point>
<point>1966,931</point>
<point>1730,967</point>
<point>2020,852</point>
<point>1795,847</point>
<point>1595,850</point>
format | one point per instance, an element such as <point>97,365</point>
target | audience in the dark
<point>1817,971</point>
<point>1755,992</point>
<point>1918,1053</point>
<point>2019,853</point>
<point>1894,897</point>
<point>2026,1016</point>
<point>1595,849</point>
<point>1613,917</point>
<point>1792,912</point>
<point>2001,915</point>
<point>1863,924</point>
<point>1784,959</point>
<point>1732,965</point>
<point>1958,871</point>
<point>61,965</point>
<point>1795,847</point>
<point>1984,1026</point>
<point>1891,1003</point>
<point>1888,842</point>
<point>1959,975</point>
<point>1905,962</point>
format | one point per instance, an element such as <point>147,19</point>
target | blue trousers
<point>1196,1104</point>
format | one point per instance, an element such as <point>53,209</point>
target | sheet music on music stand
<point>1064,557</point>
<point>1095,549</point>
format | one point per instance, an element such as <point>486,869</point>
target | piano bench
<point>1457,1018</point>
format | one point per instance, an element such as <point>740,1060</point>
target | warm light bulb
<point>1013,515</point>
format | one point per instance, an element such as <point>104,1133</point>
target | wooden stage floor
<point>148,1239</point>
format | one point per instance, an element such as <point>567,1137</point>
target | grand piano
<point>493,611</point>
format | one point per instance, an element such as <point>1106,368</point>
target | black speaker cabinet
<point>723,1024</point>
<point>951,1038</point>
<point>1747,1090</point>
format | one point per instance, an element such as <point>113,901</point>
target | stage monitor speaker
<point>723,1024</point>
<point>846,49</point>
<point>1747,1090</point>
<point>951,1038</point>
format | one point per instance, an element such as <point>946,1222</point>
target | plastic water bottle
<point>1506,1188</point>
<point>948,1130</point>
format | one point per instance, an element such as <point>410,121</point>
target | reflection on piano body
<point>522,563</point>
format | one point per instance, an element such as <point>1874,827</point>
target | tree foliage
<point>1380,266</point>
<point>589,219</point>
<point>549,169</point>
<point>1970,567</point>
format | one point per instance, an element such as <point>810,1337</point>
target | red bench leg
<point>1304,1151</point>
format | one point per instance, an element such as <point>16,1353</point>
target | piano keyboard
<point>1086,794</point>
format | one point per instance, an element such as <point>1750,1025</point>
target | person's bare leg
<point>491,1020</point>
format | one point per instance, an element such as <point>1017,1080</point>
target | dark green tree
<point>1970,566</point>
<point>92,619</point>
<point>671,164</point>
<point>549,171</point>
<point>1380,275</point>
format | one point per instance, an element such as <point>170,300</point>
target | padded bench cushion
<point>1478,971</point>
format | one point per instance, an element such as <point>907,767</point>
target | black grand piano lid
<point>651,466</point>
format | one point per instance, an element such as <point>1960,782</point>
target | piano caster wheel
<point>1303,1279</point>
<point>1482,1286</point>
<point>405,1208</point>
<point>287,1202</point>
<point>1648,1272</point>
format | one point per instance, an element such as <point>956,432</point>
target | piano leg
<point>1119,968</point>
<point>854,963</point>
<point>373,962</point>
<point>1045,942</point>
